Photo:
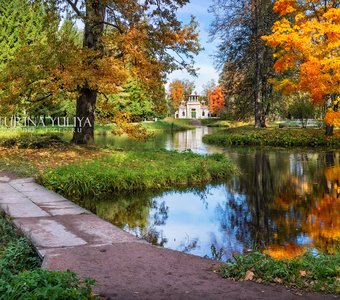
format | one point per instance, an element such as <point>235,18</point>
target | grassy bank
<point>132,170</point>
<point>169,124</point>
<point>280,137</point>
<point>22,278</point>
<point>318,273</point>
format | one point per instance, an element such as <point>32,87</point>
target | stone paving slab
<point>15,199</point>
<point>27,187</point>
<point>44,196</point>
<point>6,188</point>
<point>48,233</point>
<point>97,231</point>
<point>22,180</point>
<point>60,208</point>
<point>23,210</point>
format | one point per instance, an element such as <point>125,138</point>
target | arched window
<point>203,113</point>
<point>183,114</point>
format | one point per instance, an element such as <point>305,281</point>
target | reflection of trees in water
<point>285,199</point>
<point>131,212</point>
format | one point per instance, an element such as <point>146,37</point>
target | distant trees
<point>302,108</point>
<point>216,100</point>
<point>179,90</point>
<point>247,63</point>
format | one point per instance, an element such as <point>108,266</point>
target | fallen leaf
<point>277,280</point>
<point>303,273</point>
<point>249,275</point>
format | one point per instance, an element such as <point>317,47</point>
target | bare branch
<point>75,8</point>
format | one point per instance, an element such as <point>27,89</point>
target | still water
<point>284,202</point>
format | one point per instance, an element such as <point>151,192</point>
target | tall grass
<point>319,272</point>
<point>132,171</point>
<point>169,124</point>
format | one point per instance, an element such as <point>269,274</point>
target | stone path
<point>67,236</point>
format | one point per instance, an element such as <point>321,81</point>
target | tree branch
<point>109,24</point>
<point>75,8</point>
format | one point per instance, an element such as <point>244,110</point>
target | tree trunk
<point>257,75</point>
<point>86,102</point>
<point>329,130</point>
<point>84,125</point>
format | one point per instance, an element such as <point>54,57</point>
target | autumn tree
<point>245,60</point>
<point>188,86</point>
<point>176,90</point>
<point>216,100</point>
<point>179,90</point>
<point>122,39</point>
<point>306,43</point>
<point>207,88</point>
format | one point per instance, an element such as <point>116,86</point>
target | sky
<point>204,61</point>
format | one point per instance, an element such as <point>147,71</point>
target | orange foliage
<point>216,100</point>
<point>320,222</point>
<point>307,41</point>
<point>323,221</point>
<point>288,251</point>
<point>176,89</point>
<point>332,118</point>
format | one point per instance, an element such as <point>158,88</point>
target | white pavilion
<point>192,109</point>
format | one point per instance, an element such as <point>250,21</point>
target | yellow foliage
<point>288,251</point>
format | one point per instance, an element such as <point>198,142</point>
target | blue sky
<point>204,60</point>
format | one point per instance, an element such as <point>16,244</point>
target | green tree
<point>21,23</point>
<point>302,108</point>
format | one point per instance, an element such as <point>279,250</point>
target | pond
<point>285,201</point>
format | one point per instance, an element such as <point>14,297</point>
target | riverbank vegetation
<point>314,272</point>
<point>168,124</point>
<point>22,278</point>
<point>132,171</point>
<point>278,137</point>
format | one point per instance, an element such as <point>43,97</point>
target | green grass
<point>169,124</point>
<point>133,170</point>
<point>318,273</point>
<point>280,137</point>
<point>22,278</point>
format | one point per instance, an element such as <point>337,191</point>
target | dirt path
<point>67,236</point>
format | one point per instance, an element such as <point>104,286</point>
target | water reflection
<point>284,201</point>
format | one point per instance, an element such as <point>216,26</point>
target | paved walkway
<point>67,236</point>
